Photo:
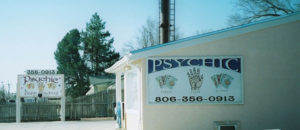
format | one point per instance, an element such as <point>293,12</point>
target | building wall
<point>132,99</point>
<point>271,85</point>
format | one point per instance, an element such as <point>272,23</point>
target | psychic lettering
<point>29,78</point>
<point>155,65</point>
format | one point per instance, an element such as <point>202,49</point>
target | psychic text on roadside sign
<point>41,85</point>
<point>195,80</point>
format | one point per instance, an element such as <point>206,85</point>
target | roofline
<point>116,67</point>
<point>273,22</point>
<point>202,39</point>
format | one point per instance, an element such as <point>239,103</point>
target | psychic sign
<point>41,85</point>
<point>195,80</point>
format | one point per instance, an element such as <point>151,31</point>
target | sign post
<point>18,105</point>
<point>63,102</point>
<point>49,86</point>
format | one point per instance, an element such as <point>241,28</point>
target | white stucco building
<point>247,77</point>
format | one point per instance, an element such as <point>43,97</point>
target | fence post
<point>71,111</point>
<point>62,108</point>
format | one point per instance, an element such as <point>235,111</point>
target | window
<point>227,125</point>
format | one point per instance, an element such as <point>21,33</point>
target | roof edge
<point>205,37</point>
<point>265,21</point>
<point>118,65</point>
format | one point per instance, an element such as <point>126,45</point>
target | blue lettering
<point>209,62</point>
<point>155,65</point>
<point>168,64</point>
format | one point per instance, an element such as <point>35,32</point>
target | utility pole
<point>4,87</point>
<point>2,84</point>
<point>8,85</point>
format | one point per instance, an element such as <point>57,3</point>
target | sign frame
<point>57,75</point>
<point>241,94</point>
<point>62,98</point>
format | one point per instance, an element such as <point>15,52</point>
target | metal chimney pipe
<point>298,7</point>
<point>164,22</point>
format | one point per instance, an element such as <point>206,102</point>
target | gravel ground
<point>58,125</point>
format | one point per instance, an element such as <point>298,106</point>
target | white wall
<point>271,84</point>
<point>132,98</point>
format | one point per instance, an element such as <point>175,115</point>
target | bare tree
<point>148,35</point>
<point>253,10</point>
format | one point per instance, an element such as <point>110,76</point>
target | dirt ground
<point>58,125</point>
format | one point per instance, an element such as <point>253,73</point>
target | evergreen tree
<point>98,54</point>
<point>97,46</point>
<point>71,64</point>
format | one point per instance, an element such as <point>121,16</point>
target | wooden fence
<point>97,105</point>
<point>7,112</point>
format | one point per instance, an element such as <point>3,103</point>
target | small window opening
<point>227,125</point>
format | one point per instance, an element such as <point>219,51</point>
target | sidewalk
<point>58,125</point>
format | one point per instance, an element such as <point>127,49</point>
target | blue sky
<point>31,29</point>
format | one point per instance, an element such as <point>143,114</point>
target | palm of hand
<point>195,79</point>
